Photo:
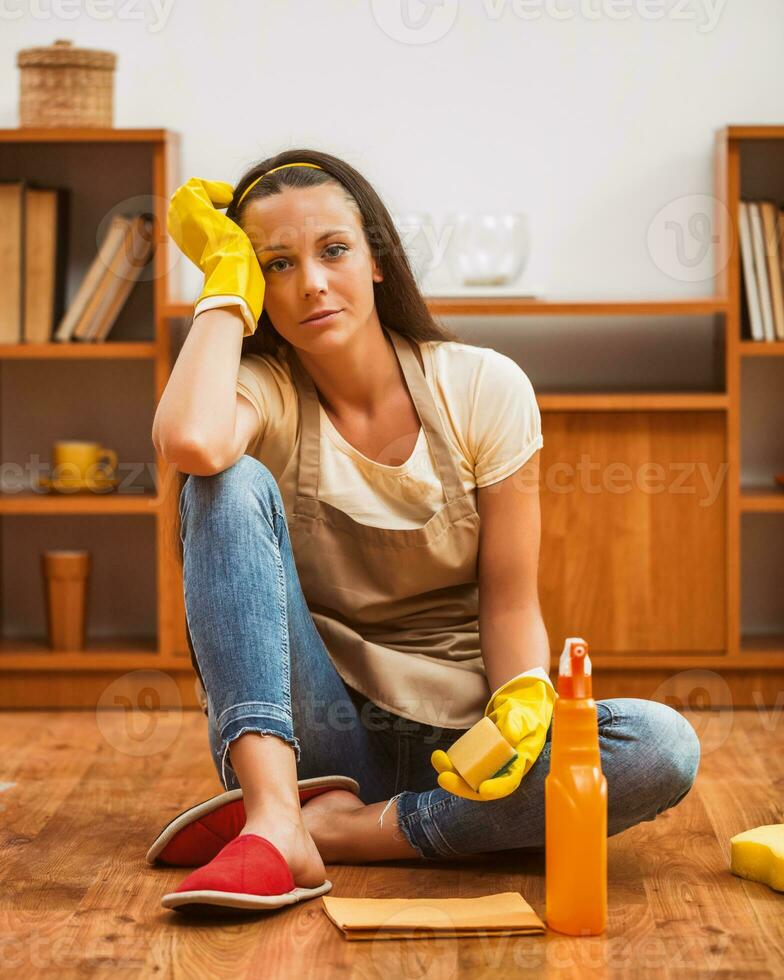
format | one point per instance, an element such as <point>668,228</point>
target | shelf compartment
<point>761,422</point>
<point>761,596</point>
<point>102,179</point>
<point>121,589</point>
<point>111,403</point>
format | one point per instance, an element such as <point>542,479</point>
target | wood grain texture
<point>633,530</point>
<point>84,795</point>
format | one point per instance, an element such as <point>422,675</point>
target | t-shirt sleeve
<point>505,427</point>
<point>264,382</point>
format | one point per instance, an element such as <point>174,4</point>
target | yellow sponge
<point>481,753</point>
<point>758,854</point>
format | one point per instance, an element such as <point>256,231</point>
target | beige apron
<point>397,609</point>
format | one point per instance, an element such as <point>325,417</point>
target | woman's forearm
<point>196,414</point>
<point>512,642</point>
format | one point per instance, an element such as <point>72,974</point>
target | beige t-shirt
<point>487,406</point>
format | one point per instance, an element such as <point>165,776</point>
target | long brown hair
<point>398,300</point>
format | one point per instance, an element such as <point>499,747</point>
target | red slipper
<point>197,834</point>
<point>248,873</point>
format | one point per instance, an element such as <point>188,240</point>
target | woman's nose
<point>314,278</point>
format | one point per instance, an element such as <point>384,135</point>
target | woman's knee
<point>668,745</point>
<point>685,756</point>
<point>246,484</point>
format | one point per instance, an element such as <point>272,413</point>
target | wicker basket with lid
<point>66,86</point>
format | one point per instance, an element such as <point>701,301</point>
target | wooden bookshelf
<point>748,165</point>
<point>103,168</point>
<point>651,581</point>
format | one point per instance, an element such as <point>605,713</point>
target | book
<point>761,269</point>
<point>126,267</point>
<point>44,261</point>
<point>751,288</point>
<point>770,232</point>
<point>12,228</point>
<point>84,301</point>
<point>780,235</point>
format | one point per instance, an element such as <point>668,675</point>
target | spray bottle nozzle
<point>574,669</point>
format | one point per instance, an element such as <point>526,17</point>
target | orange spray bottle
<point>575,795</point>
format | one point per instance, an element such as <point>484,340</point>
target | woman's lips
<point>322,319</point>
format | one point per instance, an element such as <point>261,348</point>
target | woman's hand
<point>217,245</point>
<point>522,710</point>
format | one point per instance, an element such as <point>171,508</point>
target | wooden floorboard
<point>83,795</point>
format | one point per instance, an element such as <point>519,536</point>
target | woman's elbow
<point>188,456</point>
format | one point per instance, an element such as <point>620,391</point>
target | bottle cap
<point>574,669</point>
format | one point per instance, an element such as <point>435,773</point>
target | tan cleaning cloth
<point>502,914</point>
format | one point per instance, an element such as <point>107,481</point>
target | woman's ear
<point>378,275</point>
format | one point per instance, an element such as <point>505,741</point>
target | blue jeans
<point>266,669</point>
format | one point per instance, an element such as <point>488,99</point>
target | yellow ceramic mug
<point>80,462</point>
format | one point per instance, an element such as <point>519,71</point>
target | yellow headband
<point>251,186</point>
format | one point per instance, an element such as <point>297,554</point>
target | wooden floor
<point>84,794</point>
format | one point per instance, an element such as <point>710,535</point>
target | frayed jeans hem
<point>242,726</point>
<point>415,819</point>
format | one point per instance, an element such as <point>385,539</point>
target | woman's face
<point>313,256</point>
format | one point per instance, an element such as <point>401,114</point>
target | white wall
<point>590,123</point>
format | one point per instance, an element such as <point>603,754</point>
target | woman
<point>344,450</point>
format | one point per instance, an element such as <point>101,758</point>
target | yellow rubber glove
<point>218,246</point>
<point>522,710</point>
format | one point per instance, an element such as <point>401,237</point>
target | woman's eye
<point>270,267</point>
<point>344,247</point>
